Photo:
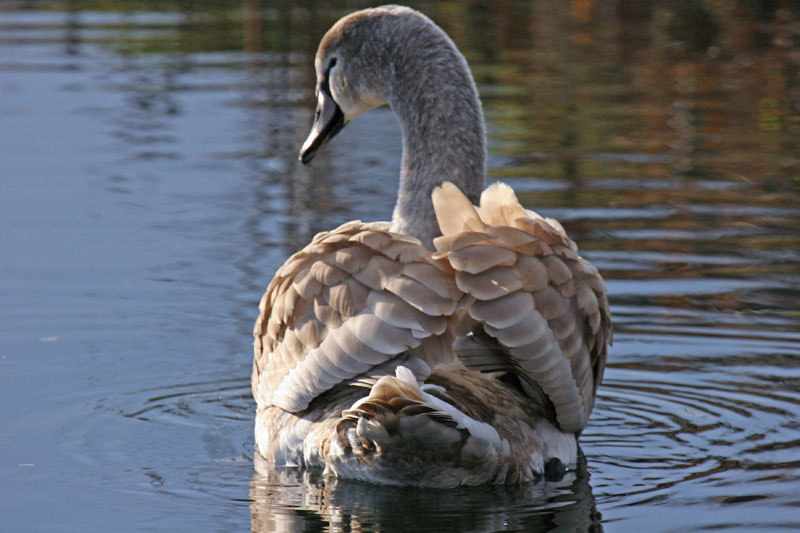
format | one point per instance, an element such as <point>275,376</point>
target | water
<point>149,189</point>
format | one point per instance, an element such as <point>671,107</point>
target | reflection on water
<point>150,190</point>
<point>288,500</point>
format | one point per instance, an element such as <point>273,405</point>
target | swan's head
<point>353,65</point>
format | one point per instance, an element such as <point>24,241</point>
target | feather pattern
<point>455,345</point>
<point>539,304</point>
<point>359,310</point>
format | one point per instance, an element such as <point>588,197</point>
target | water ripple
<point>684,430</point>
<point>197,403</point>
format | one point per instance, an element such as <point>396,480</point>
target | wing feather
<point>477,258</point>
<point>542,304</point>
<point>360,300</point>
<point>347,307</point>
<point>493,283</point>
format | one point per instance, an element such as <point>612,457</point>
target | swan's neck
<point>444,137</point>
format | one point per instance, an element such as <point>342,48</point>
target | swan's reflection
<point>292,500</point>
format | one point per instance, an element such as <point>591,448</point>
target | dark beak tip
<point>305,157</point>
<point>328,122</point>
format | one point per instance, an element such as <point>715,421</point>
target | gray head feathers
<point>398,56</point>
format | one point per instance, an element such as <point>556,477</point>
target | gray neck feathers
<point>431,90</point>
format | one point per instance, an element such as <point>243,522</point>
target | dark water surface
<point>149,189</point>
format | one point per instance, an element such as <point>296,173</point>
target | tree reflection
<point>663,134</point>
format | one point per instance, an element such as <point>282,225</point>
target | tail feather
<point>395,411</point>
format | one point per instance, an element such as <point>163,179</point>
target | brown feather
<point>474,259</point>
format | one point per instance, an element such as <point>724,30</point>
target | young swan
<point>380,359</point>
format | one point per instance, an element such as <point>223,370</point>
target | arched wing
<point>529,290</point>
<point>357,301</point>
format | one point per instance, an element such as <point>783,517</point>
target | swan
<point>462,342</point>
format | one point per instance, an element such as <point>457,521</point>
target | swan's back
<point>482,359</point>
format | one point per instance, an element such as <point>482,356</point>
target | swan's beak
<point>328,121</point>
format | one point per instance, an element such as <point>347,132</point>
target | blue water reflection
<point>149,189</point>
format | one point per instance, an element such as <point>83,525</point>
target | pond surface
<point>149,189</point>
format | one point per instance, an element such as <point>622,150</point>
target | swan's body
<point>378,358</point>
